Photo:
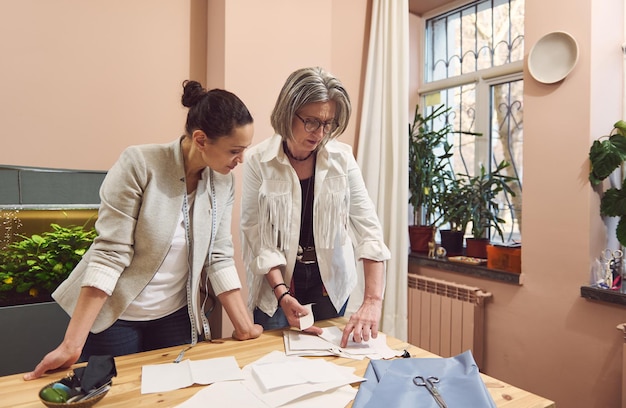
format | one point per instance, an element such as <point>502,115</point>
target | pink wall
<point>79,81</point>
<point>542,336</point>
<point>86,79</point>
<point>253,47</point>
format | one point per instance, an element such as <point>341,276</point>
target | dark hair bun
<point>192,93</point>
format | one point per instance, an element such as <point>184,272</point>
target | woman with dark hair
<point>306,215</point>
<point>164,242</point>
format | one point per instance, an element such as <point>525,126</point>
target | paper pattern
<point>327,344</point>
<point>309,384</point>
<point>172,376</point>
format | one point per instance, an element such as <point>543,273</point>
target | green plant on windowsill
<point>453,204</point>
<point>473,199</point>
<point>607,154</point>
<point>429,166</point>
<point>481,192</point>
<point>429,150</point>
<point>31,269</point>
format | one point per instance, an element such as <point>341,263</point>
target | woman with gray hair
<point>304,202</point>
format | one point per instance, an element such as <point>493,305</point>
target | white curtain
<point>383,148</point>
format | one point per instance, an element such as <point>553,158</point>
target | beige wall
<point>80,80</point>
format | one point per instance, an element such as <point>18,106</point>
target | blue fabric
<point>390,383</point>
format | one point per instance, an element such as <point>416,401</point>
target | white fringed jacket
<point>141,200</point>
<point>270,220</point>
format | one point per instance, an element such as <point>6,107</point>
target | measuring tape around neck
<point>207,263</point>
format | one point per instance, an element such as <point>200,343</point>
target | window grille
<point>473,65</point>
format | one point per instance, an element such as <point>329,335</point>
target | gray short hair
<point>305,86</point>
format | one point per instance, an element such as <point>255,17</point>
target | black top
<point>306,217</point>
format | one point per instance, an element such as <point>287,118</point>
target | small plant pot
<point>504,259</point>
<point>419,237</point>
<point>452,241</point>
<point>476,247</point>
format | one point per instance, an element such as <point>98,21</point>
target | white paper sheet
<point>249,393</point>
<point>234,394</point>
<point>289,393</point>
<point>172,376</point>
<point>231,394</point>
<point>305,341</point>
<point>308,320</point>
<point>303,344</point>
<point>272,376</point>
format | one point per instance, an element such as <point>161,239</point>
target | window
<point>473,65</point>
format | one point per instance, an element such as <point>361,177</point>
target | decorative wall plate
<point>553,57</point>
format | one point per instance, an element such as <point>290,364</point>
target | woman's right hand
<point>293,311</point>
<point>88,306</point>
<point>61,357</point>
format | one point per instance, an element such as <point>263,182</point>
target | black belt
<point>306,255</point>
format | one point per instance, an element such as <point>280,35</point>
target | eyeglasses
<point>311,125</point>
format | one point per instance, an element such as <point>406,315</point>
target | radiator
<point>446,318</point>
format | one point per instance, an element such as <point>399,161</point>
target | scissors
<point>429,383</point>
<point>612,255</point>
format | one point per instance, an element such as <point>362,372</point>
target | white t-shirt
<point>166,292</point>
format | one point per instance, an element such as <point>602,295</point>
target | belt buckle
<point>306,255</point>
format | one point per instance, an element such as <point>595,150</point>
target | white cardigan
<point>141,199</point>
<point>270,220</point>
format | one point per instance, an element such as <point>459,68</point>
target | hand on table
<point>363,324</point>
<point>255,332</point>
<point>61,357</point>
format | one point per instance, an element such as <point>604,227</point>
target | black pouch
<point>98,372</point>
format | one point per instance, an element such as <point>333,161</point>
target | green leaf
<point>605,157</point>
<point>621,231</point>
<point>618,141</point>
<point>620,125</point>
<point>37,239</point>
<point>613,203</point>
<point>23,287</point>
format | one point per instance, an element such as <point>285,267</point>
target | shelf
<point>603,295</point>
<point>477,271</point>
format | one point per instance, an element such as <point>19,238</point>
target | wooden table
<point>126,390</point>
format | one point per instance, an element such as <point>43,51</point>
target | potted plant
<point>453,206</point>
<point>607,154</point>
<point>480,193</point>
<point>32,268</point>
<point>429,150</point>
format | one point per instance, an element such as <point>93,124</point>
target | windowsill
<point>465,269</point>
<point>603,295</point>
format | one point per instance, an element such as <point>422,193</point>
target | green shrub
<point>39,263</point>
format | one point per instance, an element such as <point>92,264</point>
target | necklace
<point>286,149</point>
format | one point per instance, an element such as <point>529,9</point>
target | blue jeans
<point>306,287</point>
<point>128,337</point>
<point>279,320</point>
